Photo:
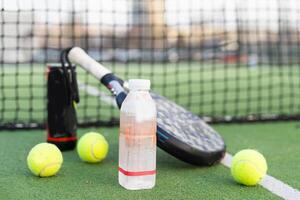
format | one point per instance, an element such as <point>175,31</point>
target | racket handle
<point>78,56</point>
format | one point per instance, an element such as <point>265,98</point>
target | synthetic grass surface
<point>279,142</point>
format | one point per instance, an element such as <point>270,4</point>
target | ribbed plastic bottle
<point>137,139</point>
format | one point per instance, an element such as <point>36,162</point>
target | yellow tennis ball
<point>248,167</point>
<point>44,160</point>
<point>92,147</point>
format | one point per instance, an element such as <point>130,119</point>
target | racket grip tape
<point>78,56</point>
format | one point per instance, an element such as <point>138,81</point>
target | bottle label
<point>133,173</point>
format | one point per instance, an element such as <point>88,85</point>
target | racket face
<point>186,127</point>
<point>182,125</point>
<point>180,132</point>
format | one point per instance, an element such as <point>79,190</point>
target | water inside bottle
<point>137,153</point>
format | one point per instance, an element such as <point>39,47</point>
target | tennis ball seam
<point>48,165</point>
<point>258,169</point>
<point>251,163</point>
<point>92,150</point>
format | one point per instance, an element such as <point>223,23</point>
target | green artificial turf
<point>279,142</point>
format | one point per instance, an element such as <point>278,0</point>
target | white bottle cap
<point>139,84</point>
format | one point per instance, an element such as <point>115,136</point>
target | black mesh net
<point>225,60</point>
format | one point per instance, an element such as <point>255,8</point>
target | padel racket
<point>179,132</point>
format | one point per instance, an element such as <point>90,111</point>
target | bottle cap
<point>139,84</point>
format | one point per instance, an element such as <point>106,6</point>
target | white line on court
<point>270,183</point>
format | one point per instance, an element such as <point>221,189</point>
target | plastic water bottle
<point>137,140</point>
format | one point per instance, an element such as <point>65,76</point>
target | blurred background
<point>225,60</point>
